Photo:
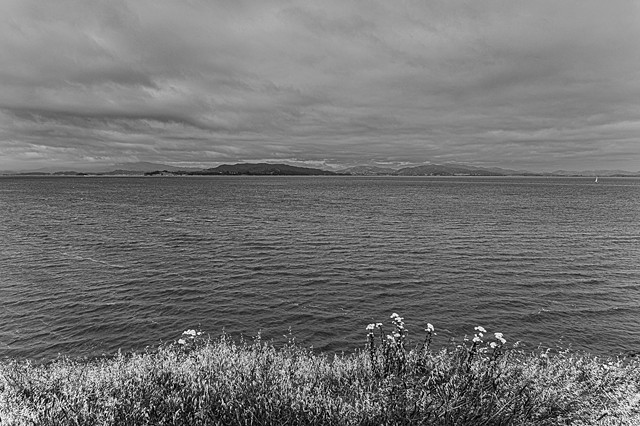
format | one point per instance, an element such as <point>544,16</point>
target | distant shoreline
<point>269,169</point>
<point>161,174</point>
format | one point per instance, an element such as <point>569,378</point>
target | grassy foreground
<point>198,381</point>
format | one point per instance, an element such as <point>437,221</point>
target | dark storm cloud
<point>511,83</point>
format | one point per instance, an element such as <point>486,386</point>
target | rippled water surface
<point>91,265</point>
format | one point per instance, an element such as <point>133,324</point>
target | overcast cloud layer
<point>530,84</point>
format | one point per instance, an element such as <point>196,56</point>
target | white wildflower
<point>190,332</point>
<point>370,327</point>
<point>182,342</point>
<point>378,324</point>
<point>476,339</point>
<point>429,328</point>
<point>480,329</point>
<point>493,345</point>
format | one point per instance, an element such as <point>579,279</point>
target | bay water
<point>91,265</point>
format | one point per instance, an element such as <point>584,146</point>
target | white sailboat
<point>596,181</point>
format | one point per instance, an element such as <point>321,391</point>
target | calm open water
<point>91,265</point>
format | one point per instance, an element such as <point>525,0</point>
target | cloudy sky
<point>533,84</point>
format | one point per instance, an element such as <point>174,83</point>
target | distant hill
<point>368,171</point>
<point>510,172</point>
<point>134,168</point>
<point>610,173</point>
<point>447,170</point>
<point>262,169</point>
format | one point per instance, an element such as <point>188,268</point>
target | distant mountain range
<point>456,170</point>
<point>368,171</point>
<point>133,168</point>
<point>448,169</point>
<point>594,173</point>
<point>259,169</point>
<point>452,169</point>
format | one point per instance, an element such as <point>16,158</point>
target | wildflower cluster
<point>477,338</point>
<point>190,340</point>
<point>500,341</point>
<point>399,333</point>
<point>372,327</point>
<point>430,330</point>
<point>488,351</point>
<point>390,357</point>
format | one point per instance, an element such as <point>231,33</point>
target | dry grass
<point>205,382</point>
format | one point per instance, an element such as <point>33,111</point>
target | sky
<point>537,85</point>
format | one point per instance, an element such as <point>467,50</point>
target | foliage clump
<point>203,381</point>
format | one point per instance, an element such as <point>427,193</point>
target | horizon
<point>143,166</point>
<point>540,86</point>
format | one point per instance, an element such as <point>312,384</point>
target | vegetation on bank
<point>198,381</point>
